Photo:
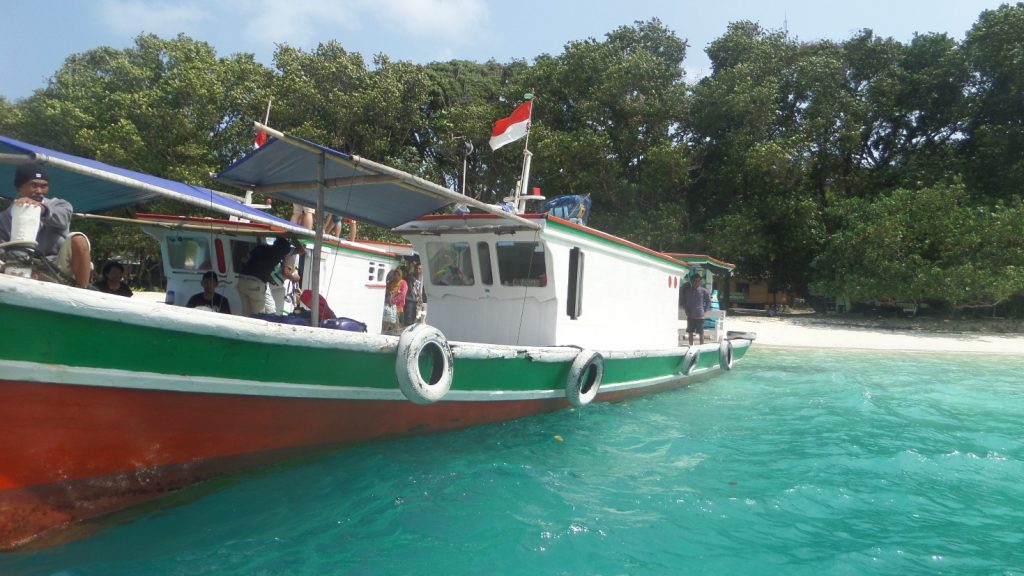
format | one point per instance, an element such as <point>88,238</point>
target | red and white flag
<point>513,128</point>
<point>261,139</point>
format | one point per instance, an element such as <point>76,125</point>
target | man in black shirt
<point>209,298</point>
<point>255,274</point>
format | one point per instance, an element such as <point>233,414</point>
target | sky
<point>39,34</point>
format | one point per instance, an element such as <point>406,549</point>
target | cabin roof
<point>455,224</point>
<point>703,260</point>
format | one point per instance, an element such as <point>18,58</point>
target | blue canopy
<point>288,168</point>
<point>354,187</point>
<point>92,186</point>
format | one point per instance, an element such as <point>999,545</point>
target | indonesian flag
<point>513,128</point>
<point>261,139</point>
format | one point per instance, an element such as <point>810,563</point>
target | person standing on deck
<point>70,251</point>
<point>696,302</point>
<point>255,274</point>
<point>414,293</point>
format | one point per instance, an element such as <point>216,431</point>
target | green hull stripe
<point>69,340</point>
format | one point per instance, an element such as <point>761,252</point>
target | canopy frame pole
<point>318,242</point>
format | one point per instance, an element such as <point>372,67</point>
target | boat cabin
<point>496,281</point>
<point>352,273</point>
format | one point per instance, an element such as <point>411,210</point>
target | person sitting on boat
<point>451,276</point>
<point>70,251</point>
<point>333,225</point>
<point>255,273</point>
<point>112,281</point>
<point>696,302</point>
<point>209,299</point>
<point>303,215</point>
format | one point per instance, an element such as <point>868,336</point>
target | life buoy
<point>690,361</point>
<point>725,360</point>
<point>415,342</point>
<point>584,378</point>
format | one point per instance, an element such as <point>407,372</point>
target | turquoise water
<point>797,462</point>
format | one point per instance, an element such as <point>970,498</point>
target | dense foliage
<point>868,168</point>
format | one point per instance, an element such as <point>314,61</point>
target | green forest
<point>870,169</point>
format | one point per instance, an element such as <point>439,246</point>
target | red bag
<point>325,311</point>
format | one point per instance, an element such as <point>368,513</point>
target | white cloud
<point>305,23</point>
<point>445,21</point>
<point>299,22</point>
<point>132,17</point>
<point>403,29</point>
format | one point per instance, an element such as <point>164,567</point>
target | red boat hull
<point>70,453</point>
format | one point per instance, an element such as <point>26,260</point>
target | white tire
<point>584,378</point>
<point>725,360</point>
<point>415,341</point>
<point>689,361</point>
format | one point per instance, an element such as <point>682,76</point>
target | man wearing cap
<point>70,251</point>
<point>696,302</point>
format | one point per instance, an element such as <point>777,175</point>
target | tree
<point>928,245</point>
<point>164,107</point>
<point>994,147</point>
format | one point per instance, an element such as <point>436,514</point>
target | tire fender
<point>689,361</point>
<point>725,360</point>
<point>414,342</point>
<point>584,379</point>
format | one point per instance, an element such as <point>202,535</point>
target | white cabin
<point>493,280</point>
<point>351,273</point>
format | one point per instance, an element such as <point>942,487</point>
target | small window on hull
<point>376,272</point>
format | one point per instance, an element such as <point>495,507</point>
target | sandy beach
<point>816,332</point>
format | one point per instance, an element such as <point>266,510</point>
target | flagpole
<point>266,119</point>
<point>524,179</point>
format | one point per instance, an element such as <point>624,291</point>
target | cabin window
<point>450,263</point>
<point>376,272</point>
<point>483,253</point>
<point>521,264</point>
<point>189,253</point>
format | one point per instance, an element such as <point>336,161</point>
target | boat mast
<point>524,179</point>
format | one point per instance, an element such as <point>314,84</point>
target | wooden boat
<point>109,402</point>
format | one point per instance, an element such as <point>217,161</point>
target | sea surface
<point>796,462</point>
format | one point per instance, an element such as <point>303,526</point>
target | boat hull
<point>89,432</point>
